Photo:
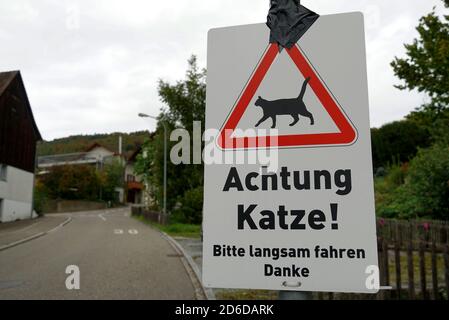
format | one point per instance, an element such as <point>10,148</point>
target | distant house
<point>18,137</point>
<point>95,155</point>
<point>134,183</point>
<point>135,191</point>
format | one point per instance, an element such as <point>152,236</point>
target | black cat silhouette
<point>292,107</point>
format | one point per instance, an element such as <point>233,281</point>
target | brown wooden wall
<point>17,134</point>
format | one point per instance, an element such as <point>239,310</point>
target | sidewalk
<point>13,233</point>
<point>194,248</point>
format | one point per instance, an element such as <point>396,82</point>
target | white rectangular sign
<point>289,199</point>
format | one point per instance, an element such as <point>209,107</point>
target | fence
<point>152,216</point>
<point>413,261</point>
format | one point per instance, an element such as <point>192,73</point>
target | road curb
<point>69,219</point>
<point>33,237</point>
<point>208,293</point>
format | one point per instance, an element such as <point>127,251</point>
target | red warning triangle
<point>346,136</point>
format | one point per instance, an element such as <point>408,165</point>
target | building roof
<point>6,79</point>
<point>97,145</point>
<point>65,159</point>
<point>133,156</point>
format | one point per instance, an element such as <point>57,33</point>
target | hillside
<point>73,144</point>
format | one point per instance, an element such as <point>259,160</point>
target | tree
<point>186,100</point>
<point>398,142</point>
<point>186,103</point>
<point>150,165</point>
<point>82,182</point>
<point>72,183</point>
<point>428,181</point>
<point>427,66</point>
<point>425,193</point>
<point>111,178</point>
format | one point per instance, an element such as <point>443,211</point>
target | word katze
<point>316,219</point>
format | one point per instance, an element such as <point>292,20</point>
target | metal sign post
<point>295,295</point>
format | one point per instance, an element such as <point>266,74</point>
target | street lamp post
<point>142,115</point>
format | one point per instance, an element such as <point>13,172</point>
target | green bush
<point>428,182</point>
<point>72,183</point>
<point>396,175</point>
<point>191,207</point>
<point>425,192</point>
<point>81,182</point>
<point>387,188</point>
<point>398,142</point>
<point>111,178</point>
<point>399,204</point>
<point>40,199</point>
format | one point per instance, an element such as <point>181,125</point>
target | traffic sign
<point>346,133</point>
<point>306,220</point>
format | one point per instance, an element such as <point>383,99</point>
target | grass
<point>416,269</point>
<point>175,229</point>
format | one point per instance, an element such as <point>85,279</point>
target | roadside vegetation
<point>411,156</point>
<point>186,103</point>
<point>79,143</point>
<point>180,230</point>
<point>80,182</point>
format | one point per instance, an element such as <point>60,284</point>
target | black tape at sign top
<point>288,21</point>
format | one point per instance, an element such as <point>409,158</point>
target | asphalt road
<point>118,258</point>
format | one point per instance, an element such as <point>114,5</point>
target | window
<point>131,178</point>
<point>3,174</point>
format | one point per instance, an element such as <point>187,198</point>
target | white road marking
<point>102,217</point>
<point>118,231</point>
<point>133,232</point>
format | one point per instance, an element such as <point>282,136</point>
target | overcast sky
<point>90,66</point>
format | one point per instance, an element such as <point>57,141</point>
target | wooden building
<point>18,137</point>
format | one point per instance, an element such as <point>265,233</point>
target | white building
<point>18,137</point>
<point>95,155</point>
